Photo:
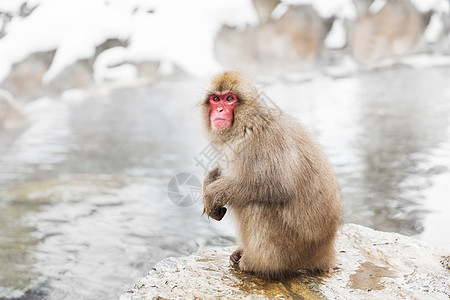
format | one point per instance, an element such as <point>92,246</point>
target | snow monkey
<point>278,184</point>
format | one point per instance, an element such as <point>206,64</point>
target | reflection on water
<point>387,134</point>
<point>16,244</point>
<point>84,210</point>
<point>398,136</point>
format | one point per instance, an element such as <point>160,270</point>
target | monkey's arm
<point>211,177</point>
<point>265,171</point>
<point>225,191</point>
<point>213,211</point>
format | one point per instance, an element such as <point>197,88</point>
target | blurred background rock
<point>396,29</point>
<point>11,115</point>
<point>284,37</point>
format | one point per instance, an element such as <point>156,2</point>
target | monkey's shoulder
<point>284,129</point>
<point>291,139</point>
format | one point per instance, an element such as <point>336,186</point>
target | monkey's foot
<point>236,256</point>
<point>218,213</point>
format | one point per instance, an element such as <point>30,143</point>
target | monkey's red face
<point>222,106</point>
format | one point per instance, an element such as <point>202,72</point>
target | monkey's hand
<point>217,214</point>
<point>213,205</point>
<point>211,177</point>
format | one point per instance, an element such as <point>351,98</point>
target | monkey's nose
<point>219,108</point>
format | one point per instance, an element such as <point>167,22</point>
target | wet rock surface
<point>371,265</point>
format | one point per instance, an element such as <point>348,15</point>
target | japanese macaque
<point>278,183</point>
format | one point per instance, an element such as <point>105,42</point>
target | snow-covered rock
<point>169,38</point>
<point>294,41</point>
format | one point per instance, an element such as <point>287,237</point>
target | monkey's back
<point>292,222</point>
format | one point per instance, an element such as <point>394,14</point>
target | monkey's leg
<point>236,256</point>
<point>245,265</point>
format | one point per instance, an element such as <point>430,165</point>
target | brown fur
<point>278,184</point>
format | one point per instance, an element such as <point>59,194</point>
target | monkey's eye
<point>215,99</point>
<point>230,98</point>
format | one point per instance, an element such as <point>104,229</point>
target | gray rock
<point>11,114</point>
<point>80,74</point>
<point>293,42</point>
<point>371,265</point>
<point>5,19</point>
<point>264,9</point>
<point>395,30</point>
<point>25,78</point>
<point>307,31</point>
<point>146,69</point>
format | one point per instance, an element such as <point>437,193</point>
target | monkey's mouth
<point>221,123</point>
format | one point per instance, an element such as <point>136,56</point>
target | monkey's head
<point>229,101</point>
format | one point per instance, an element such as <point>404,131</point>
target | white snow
<point>434,30</point>
<point>426,5</point>
<point>337,37</point>
<point>113,57</point>
<point>175,33</point>
<point>13,6</point>
<point>181,32</point>
<point>377,5</point>
<point>72,27</point>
